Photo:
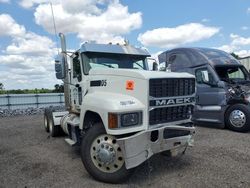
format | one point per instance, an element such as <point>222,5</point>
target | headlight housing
<point>125,120</point>
<point>130,119</point>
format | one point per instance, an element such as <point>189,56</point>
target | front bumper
<point>141,146</point>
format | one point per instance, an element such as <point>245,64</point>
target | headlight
<point>124,120</point>
<point>130,119</point>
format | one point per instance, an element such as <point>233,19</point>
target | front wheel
<point>238,118</point>
<point>102,156</point>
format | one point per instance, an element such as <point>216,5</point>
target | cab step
<point>74,133</point>
<point>70,142</point>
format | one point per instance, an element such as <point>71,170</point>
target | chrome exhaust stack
<point>66,80</point>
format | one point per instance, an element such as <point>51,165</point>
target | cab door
<point>210,97</point>
<point>76,86</point>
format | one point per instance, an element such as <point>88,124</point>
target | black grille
<point>171,87</point>
<point>168,133</point>
<point>169,114</point>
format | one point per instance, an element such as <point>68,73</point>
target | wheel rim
<point>50,126</point>
<point>45,122</point>
<point>237,118</point>
<point>106,154</point>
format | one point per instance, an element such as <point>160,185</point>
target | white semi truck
<point>117,111</point>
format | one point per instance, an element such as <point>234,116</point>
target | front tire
<point>102,156</point>
<point>238,118</point>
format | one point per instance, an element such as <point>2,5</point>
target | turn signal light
<point>113,121</point>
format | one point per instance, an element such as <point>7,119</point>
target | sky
<point>28,43</point>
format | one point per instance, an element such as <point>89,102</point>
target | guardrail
<point>21,101</point>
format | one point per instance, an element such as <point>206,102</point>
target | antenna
<point>54,23</point>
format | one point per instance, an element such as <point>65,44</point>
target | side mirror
<point>155,66</point>
<point>220,84</point>
<point>60,67</point>
<point>162,66</point>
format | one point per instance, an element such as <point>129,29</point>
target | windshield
<point>115,61</point>
<point>232,73</point>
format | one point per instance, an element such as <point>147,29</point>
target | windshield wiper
<point>107,65</point>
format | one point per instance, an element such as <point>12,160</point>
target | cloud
<point>4,1</point>
<point>180,35</point>
<point>13,61</point>
<point>205,20</point>
<point>236,45</point>
<point>248,10</point>
<point>86,6</point>
<point>31,44</point>
<point>27,62</point>
<point>155,55</point>
<point>90,22</point>
<point>31,3</point>
<point>8,26</point>
<point>239,41</point>
<point>244,28</point>
<point>227,48</point>
<point>243,53</point>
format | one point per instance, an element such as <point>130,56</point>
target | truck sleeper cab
<point>119,112</point>
<point>223,85</point>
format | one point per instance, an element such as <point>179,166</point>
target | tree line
<point>58,88</point>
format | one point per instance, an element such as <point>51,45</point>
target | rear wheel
<point>45,118</point>
<point>238,118</point>
<point>53,130</point>
<point>102,156</point>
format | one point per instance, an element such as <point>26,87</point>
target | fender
<point>105,102</point>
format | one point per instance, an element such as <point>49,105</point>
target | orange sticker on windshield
<point>130,84</point>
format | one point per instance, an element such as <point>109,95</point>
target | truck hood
<point>139,74</point>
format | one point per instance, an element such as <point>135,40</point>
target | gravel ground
<point>30,158</point>
<point>26,111</point>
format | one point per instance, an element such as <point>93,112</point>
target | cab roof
<point>200,56</point>
<point>113,48</point>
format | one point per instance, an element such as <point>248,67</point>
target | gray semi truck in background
<point>223,85</point>
<point>118,112</point>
